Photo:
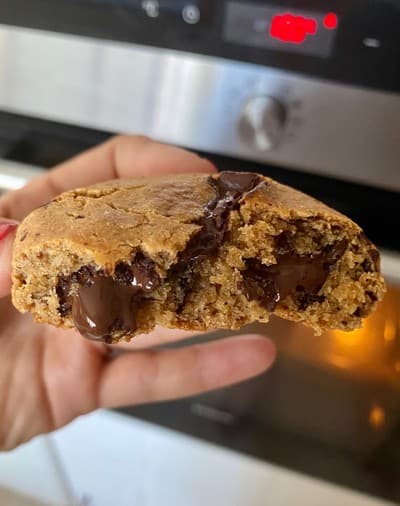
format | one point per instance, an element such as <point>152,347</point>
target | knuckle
<point>123,139</point>
<point>203,379</point>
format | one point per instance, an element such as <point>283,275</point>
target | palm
<point>60,374</point>
<point>50,376</point>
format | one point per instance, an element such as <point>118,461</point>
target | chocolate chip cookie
<point>193,252</point>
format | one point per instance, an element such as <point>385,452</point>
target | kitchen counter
<point>106,458</point>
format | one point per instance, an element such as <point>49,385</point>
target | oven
<point>303,91</point>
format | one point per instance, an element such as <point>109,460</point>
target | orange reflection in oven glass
<point>377,344</point>
<point>377,417</point>
<point>340,361</point>
<point>372,352</point>
<point>390,331</point>
<point>347,340</point>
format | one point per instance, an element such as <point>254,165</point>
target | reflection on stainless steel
<point>198,102</point>
<point>211,413</point>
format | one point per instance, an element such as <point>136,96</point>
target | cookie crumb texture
<point>193,252</point>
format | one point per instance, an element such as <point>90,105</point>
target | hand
<point>50,376</point>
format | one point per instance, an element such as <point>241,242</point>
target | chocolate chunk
<point>373,252</point>
<point>103,307</point>
<point>367,265</point>
<point>24,236</point>
<point>304,273</point>
<point>141,274</point>
<point>63,286</point>
<point>234,184</point>
<point>371,264</point>
<point>185,275</point>
<point>123,274</point>
<point>65,308</point>
<point>230,188</point>
<point>104,304</point>
<point>371,296</point>
<point>334,252</point>
<point>84,275</point>
<point>375,257</point>
<point>259,285</point>
<point>284,243</point>
<point>307,299</point>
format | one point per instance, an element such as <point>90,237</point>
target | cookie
<point>192,252</point>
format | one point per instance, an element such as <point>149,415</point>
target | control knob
<point>262,122</point>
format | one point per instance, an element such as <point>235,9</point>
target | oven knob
<point>262,122</point>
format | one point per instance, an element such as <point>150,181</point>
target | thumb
<point>7,235</point>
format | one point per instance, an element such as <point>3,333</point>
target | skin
<point>50,376</point>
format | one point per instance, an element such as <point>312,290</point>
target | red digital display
<point>266,25</point>
<point>331,21</point>
<point>295,29</point>
<point>289,28</point>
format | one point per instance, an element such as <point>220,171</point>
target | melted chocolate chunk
<point>259,284</point>
<point>140,274</point>
<point>284,243</point>
<point>103,304</point>
<point>230,188</point>
<point>375,257</point>
<point>371,296</point>
<point>65,308</point>
<point>358,313</point>
<point>84,276</point>
<point>306,299</point>
<point>334,252</point>
<point>305,274</point>
<point>367,265</point>
<point>104,307</point>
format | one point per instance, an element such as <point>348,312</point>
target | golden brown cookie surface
<point>195,252</point>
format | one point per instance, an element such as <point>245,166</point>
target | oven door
<point>330,407</point>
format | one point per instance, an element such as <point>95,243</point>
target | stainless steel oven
<point>304,91</point>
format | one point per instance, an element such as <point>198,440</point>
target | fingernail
<point>6,227</point>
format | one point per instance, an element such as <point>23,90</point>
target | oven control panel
<point>277,28</point>
<point>215,105</point>
<point>349,41</point>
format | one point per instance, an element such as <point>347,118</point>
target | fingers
<point>148,376</point>
<point>158,337</point>
<point>120,157</point>
<point>7,235</point>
